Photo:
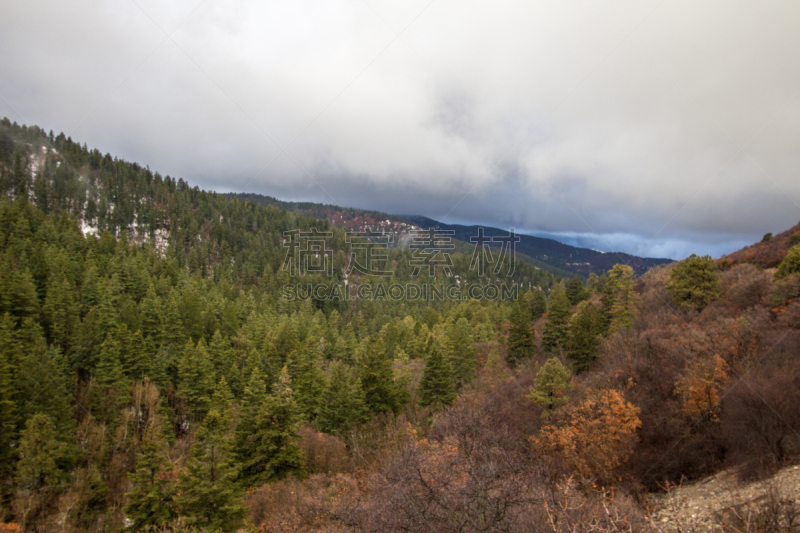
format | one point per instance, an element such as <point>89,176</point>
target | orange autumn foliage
<point>597,439</point>
<point>699,390</point>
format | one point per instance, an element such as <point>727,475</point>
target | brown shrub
<point>323,453</point>
<point>464,481</point>
<point>568,510</point>
<point>785,291</point>
<point>319,503</point>
<point>375,441</point>
<point>761,421</point>
<point>744,286</point>
<point>597,438</point>
<point>775,512</point>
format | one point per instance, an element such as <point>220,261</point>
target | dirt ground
<point>692,508</point>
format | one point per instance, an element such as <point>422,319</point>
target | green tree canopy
<point>151,500</point>
<point>342,403</point>
<point>377,379</point>
<point>40,452</point>
<point>538,304</point>
<point>266,440</point>
<point>436,386</point>
<point>551,386</point>
<point>555,338</point>
<point>520,335</point>
<point>209,497</point>
<point>461,354</point>
<point>790,264</point>
<point>694,282</point>
<point>619,299</point>
<point>575,291</point>
<point>583,341</point>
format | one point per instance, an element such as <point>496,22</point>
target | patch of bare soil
<point>722,503</point>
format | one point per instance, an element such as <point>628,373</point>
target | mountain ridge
<point>565,260</point>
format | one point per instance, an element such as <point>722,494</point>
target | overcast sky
<point>656,128</point>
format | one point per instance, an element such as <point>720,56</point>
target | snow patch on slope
<point>87,229</point>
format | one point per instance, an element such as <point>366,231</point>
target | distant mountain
<point>556,257</point>
<point>581,261</point>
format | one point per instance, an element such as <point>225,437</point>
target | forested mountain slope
<point>555,257</point>
<point>154,377</point>
<point>143,327</point>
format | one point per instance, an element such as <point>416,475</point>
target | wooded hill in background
<point>557,258</point>
<point>572,259</point>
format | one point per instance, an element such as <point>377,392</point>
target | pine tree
<point>520,337</point>
<point>173,333</point>
<point>138,359</point>
<point>593,283</point>
<point>623,307</point>
<point>266,437</point>
<point>41,191</point>
<point>151,500</point>
<point>111,388</point>
<point>575,291</point>
<point>90,285</point>
<point>40,452</point>
<point>342,403</point>
<point>583,342</point>
<point>24,301</point>
<point>196,378</point>
<point>377,378</point>
<point>351,343</point>
<point>461,354</point>
<point>419,344</point>
<point>61,313</point>
<point>308,381</point>
<point>222,399</point>
<point>8,392</point>
<point>551,385</point>
<point>436,386</point>
<point>284,342</point>
<point>110,373</point>
<point>608,299</point>
<point>209,496</point>
<point>22,175</point>
<point>538,304</point>
<point>152,319</point>
<point>555,338</point>
<point>221,353</point>
<point>41,377</point>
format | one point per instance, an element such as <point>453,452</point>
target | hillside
<point>582,261</point>
<point>767,253</point>
<point>144,322</point>
<point>560,259</point>
<point>724,503</point>
<point>166,365</point>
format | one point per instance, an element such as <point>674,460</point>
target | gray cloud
<point>681,137</point>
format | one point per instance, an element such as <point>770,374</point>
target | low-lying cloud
<point>655,128</point>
